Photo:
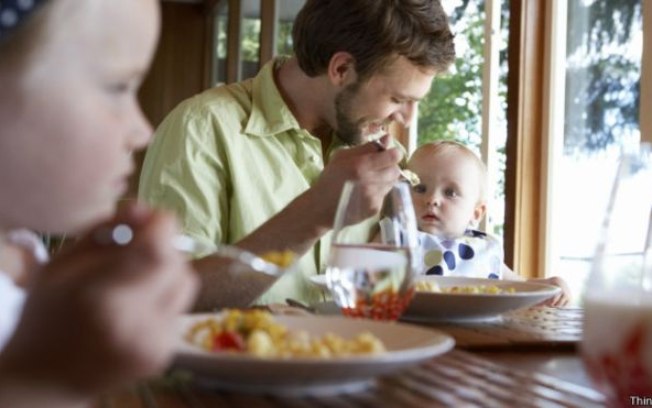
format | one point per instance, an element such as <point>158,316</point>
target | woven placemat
<point>539,327</point>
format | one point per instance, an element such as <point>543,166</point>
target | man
<point>258,163</point>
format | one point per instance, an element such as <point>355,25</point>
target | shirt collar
<point>269,114</point>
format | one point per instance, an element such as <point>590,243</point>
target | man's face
<point>363,109</point>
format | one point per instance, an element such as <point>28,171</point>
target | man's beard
<point>348,131</point>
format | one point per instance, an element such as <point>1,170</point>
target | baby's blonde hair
<point>447,147</point>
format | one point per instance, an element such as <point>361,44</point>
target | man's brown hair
<point>374,32</point>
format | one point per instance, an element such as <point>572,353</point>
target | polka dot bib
<point>474,255</point>
<point>15,12</point>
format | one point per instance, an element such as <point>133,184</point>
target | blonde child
<point>98,315</point>
<point>449,203</point>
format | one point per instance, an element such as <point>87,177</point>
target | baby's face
<point>71,120</point>
<point>447,201</point>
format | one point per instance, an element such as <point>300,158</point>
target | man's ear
<point>341,69</point>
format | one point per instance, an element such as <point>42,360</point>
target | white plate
<point>427,306</point>
<point>406,345</point>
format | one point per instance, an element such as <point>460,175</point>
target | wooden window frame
<point>268,30</point>
<point>646,74</point>
<point>525,136</point>
<point>535,82</point>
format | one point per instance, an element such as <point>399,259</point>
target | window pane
<point>453,108</point>
<point>250,38</point>
<point>221,30</point>
<point>287,12</point>
<point>603,62</point>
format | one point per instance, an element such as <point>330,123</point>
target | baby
<point>449,203</point>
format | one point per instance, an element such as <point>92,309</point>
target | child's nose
<point>141,131</point>
<point>433,201</point>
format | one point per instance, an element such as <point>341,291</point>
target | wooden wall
<point>180,67</point>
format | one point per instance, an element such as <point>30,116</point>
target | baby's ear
<point>479,212</point>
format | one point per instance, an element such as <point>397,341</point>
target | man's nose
<point>404,114</point>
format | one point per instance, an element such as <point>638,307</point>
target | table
<point>529,359</point>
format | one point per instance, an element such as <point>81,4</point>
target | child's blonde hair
<point>450,147</point>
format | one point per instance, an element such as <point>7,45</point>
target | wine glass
<point>372,274</point>
<point>617,336</point>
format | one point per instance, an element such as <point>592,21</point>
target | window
<point>597,72</point>
<point>469,103</point>
<point>250,32</point>
<point>221,42</point>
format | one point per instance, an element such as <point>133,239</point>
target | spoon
<point>407,175</point>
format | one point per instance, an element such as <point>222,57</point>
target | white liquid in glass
<point>617,345</point>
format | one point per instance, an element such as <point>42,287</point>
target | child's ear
<point>479,212</point>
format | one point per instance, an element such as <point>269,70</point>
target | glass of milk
<point>617,338</point>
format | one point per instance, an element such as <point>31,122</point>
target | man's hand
<point>377,170</point>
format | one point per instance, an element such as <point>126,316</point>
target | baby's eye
<point>118,87</point>
<point>123,86</point>
<point>451,193</point>
<point>419,189</point>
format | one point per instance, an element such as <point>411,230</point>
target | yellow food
<point>280,258</point>
<point>478,289</point>
<point>411,177</point>
<point>427,286</point>
<point>255,332</point>
<point>430,286</point>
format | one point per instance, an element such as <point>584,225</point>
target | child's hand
<point>102,315</point>
<point>560,300</point>
<point>22,256</point>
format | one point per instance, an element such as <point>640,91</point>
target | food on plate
<point>256,332</point>
<point>281,259</point>
<point>478,289</point>
<point>433,287</point>
<point>427,286</point>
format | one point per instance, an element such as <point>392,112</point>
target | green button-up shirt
<point>229,159</point>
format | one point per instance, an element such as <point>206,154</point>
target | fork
<point>122,234</point>
<point>188,244</point>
